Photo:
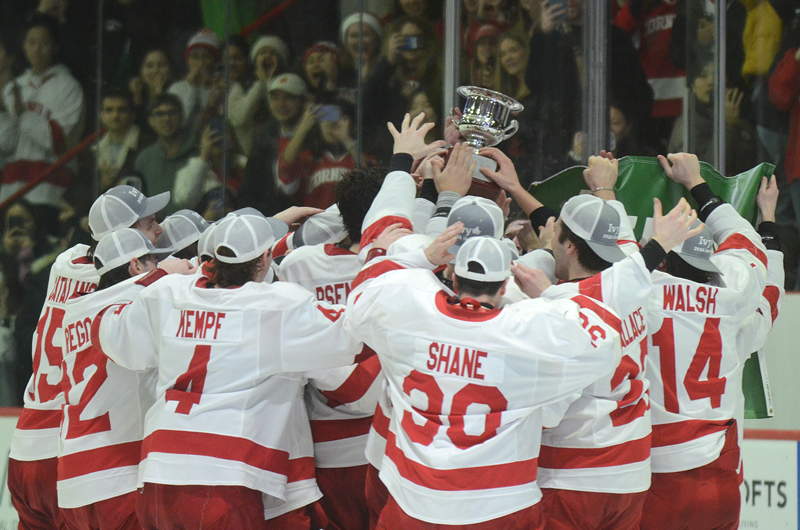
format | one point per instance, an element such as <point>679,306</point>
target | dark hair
<point>240,42</point>
<point>187,252</point>
<point>117,93</point>
<point>354,195</point>
<point>47,22</point>
<point>165,99</point>
<point>232,274</point>
<point>587,257</point>
<point>476,287</point>
<point>117,274</point>
<point>680,269</point>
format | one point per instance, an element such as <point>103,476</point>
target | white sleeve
<point>542,260</point>
<point>393,204</point>
<point>313,336</point>
<point>754,332</point>
<point>423,211</point>
<point>242,105</point>
<point>126,335</point>
<point>8,133</point>
<point>189,182</point>
<point>741,256</point>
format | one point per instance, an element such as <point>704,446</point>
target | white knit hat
<point>368,19</point>
<point>273,42</point>
<point>204,38</point>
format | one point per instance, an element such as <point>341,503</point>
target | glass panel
<point>535,55</point>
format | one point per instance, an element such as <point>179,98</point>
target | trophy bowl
<point>486,120</point>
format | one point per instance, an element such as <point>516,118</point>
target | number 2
<point>194,377</point>
<point>708,353</point>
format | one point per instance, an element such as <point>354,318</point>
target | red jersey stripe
<point>330,430</point>
<point>356,385</point>
<point>772,294</point>
<point>373,271</point>
<point>740,242</point>
<point>468,478</point>
<point>605,315</point>
<point>301,469</point>
<point>380,422</point>
<point>685,431</point>
<point>578,458</point>
<point>592,287</point>
<point>217,446</point>
<point>33,419</point>
<point>99,459</point>
<point>374,230</point>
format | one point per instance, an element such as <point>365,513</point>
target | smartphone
<point>412,42</point>
<point>217,124</point>
<point>560,3</point>
<point>329,113</point>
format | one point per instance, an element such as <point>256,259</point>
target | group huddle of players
<point>393,362</point>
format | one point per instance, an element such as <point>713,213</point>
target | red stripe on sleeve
<point>380,422</point>
<point>281,248</point>
<point>740,242</point>
<point>592,287</point>
<point>374,230</point>
<point>605,315</point>
<point>772,294</point>
<point>373,271</point>
<point>356,385</point>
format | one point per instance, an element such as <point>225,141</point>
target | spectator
<point>265,187</point>
<point>44,117</point>
<point>625,136</point>
<point>530,11</point>
<point>321,71</point>
<point>117,149</point>
<point>741,145</point>
<point>410,65</point>
<point>236,66</point>
<point>784,92</point>
<point>361,35</point>
<point>246,109</point>
<point>484,69</point>
<point>158,163</point>
<point>513,55</point>
<point>200,92</point>
<point>421,102</point>
<point>8,61</point>
<point>211,170</point>
<point>155,74</point>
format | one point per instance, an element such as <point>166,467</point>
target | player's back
<point>325,270</point>
<point>36,436</point>
<point>229,371</point>
<point>694,368</point>
<point>611,418</point>
<point>105,406</point>
<point>471,388</point>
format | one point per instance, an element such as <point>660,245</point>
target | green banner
<point>640,179</point>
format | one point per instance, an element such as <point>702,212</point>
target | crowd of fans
<point>226,109</point>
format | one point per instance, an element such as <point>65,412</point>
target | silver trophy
<point>486,121</point>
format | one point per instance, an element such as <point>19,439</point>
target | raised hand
<point>676,227</point>
<point>767,198</point>
<point>295,214</point>
<point>411,137</point>
<point>602,173</point>
<point>506,174</point>
<point>438,252</point>
<point>457,174</point>
<point>533,282</point>
<point>547,233</point>
<point>684,169</point>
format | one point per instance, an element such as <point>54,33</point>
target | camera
<point>412,42</point>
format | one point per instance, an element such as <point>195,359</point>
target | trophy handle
<point>511,130</point>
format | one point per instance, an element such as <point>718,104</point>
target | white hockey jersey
<point>101,435</point>
<point>696,352</point>
<point>341,400</point>
<point>230,365</point>
<point>36,437</point>
<point>603,442</point>
<point>471,389</point>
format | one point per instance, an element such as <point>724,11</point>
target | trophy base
<point>482,186</point>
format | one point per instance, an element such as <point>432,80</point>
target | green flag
<point>640,179</point>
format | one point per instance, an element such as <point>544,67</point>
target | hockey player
<point>228,350</point>
<point>697,314</point>
<point>105,405</point>
<point>34,445</point>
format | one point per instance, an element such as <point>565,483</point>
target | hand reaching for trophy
<point>411,137</point>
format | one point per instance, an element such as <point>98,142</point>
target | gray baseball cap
<point>697,250</point>
<point>121,207</point>
<point>247,236</point>
<point>481,217</point>
<point>324,227</point>
<point>279,228</point>
<point>593,220</point>
<point>484,259</point>
<point>121,246</point>
<point>180,230</point>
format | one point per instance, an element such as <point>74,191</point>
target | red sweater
<point>784,93</point>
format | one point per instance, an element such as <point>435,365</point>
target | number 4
<point>189,386</point>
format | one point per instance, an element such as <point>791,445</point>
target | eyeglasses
<point>164,113</point>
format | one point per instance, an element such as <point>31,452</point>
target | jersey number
<point>631,406</point>
<point>470,394</point>
<point>46,328</point>
<point>708,353</point>
<point>189,386</point>
<point>102,423</point>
